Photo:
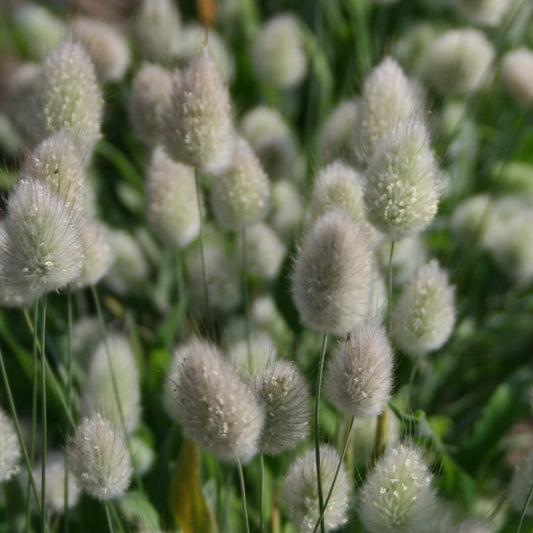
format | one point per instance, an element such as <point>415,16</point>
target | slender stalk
<point>317,431</point>
<point>108,516</point>
<point>337,470</point>
<point>69,402</point>
<point>243,496</point>
<point>43,415</point>
<point>246,298</point>
<point>389,291</point>
<point>524,509</point>
<point>411,382</point>
<point>116,516</point>
<point>261,491</point>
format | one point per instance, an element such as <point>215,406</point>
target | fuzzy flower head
<point>484,12</point>
<point>283,392</point>
<point>397,496</point>
<point>459,61</point>
<point>339,134</point>
<point>241,195</point>
<point>9,448</point>
<point>198,125</point>
<point>279,55</point>
<point>358,378</point>
<point>401,194</point>
<point>69,97</point>
<point>172,200</point>
<point>216,408</point>
<point>42,250</point>
<point>287,210</point>
<point>300,493</point>
<point>332,274</point>
<point>99,458</point>
<point>517,72</point>
<point>388,98</point>
<point>424,315</point>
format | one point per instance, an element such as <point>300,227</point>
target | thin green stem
<point>69,403</point>
<point>108,516</point>
<point>261,491</point>
<point>411,382</point>
<point>524,509</point>
<point>337,470</point>
<point>246,298</point>
<point>317,431</point>
<point>243,496</point>
<point>43,414</point>
<point>116,516</point>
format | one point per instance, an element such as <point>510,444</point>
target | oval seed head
<point>485,12</point>
<point>287,210</point>
<point>300,493</point>
<point>172,201</point>
<point>358,377</point>
<point>517,72</point>
<point>9,448</point>
<point>99,458</point>
<point>459,61</point>
<point>158,30</point>
<point>279,55</point>
<point>198,129</point>
<point>339,134</point>
<point>397,496</point>
<point>424,315</point>
<point>241,195</point>
<point>470,217</point>
<point>216,408</point>
<point>58,162</point>
<point>401,182</point>
<point>107,49</point>
<point>55,483</point>
<point>99,393</point>
<point>283,392</point>
<point>388,99</point>
<point>264,251</point>
<point>42,251</point>
<point>70,98</point>
<point>521,483</point>
<point>333,274</point>
<point>272,140</point>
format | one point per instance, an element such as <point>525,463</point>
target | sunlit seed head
<point>10,453</point>
<point>338,138</point>
<point>517,73</point>
<point>287,211</point>
<point>484,12</point>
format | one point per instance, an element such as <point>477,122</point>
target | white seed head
<point>69,96</point>
<point>286,401</point>
<point>517,72</point>
<point>272,140</point>
<point>172,201</point>
<point>474,525</point>
<point>158,30</point>
<point>485,12</point>
<point>9,448</point>
<point>150,98</point>
<point>397,496</point>
<point>338,138</point>
<point>86,335</point>
<point>216,408</point>
<point>107,48</point>
<point>279,55</point>
<point>470,217</point>
<point>99,393</point>
<point>459,61</point>
<point>55,483</point>
<point>99,458</point>
<point>401,193</point>
<point>241,195</point>
<point>332,274</point>
<point>424,315</point>
<point>287,210</point>
<point>300,493</point>
<point>198,127</point>
<point>358,377</point>
<point>388,99</point>
<point>42,249</point>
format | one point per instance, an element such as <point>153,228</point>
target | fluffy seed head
<point>397,496</point>
<point>42,249</point>
<point>338,138</point>
<point>424,315</point>
<point>271,138</point>
<point>517,72</point>
<point>300,494</point>
<point>198,125</point>
<point>459,61</point>
<point>278,52</point>
<point>332,274</point>
<point>521,483</point>
<point>241,195</point>
<point>99,394</point>
<point>388,98</point>
<point>287,210</point>
<point>485,12</point>
<point>107,49</point>
<point>401,182</point>
<point>216,408</point>
<point>69,96</point>
<point>99,458</point>
<point>283,392</point>
<point>9,448</point>
<point>150,97</point>
<point>468,219</point>
<point>358,378</point>
<point>172,202</point>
